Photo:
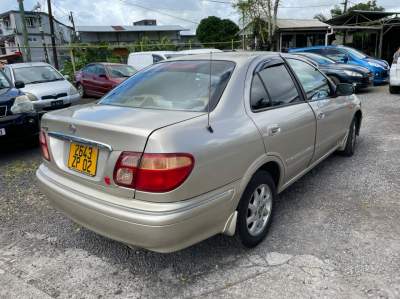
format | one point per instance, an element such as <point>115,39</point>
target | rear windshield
<point>120,71</point>
<point>174,85</point>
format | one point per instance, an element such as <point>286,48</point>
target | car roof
<point>153,52</point>
<point>235,56</point>
<point>27,64</point>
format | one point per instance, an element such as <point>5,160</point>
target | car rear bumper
<point>20,127</point>
<point>166,227</point>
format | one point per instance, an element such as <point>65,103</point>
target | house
<point>38,28</point>
<point>294,33</point>
<point>120,35</point>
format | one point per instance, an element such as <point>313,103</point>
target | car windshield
<point>36,74</point>
<point>3,81</point>
<point>356,53</point>
<point>120,70</point>
<point>175,85</point>
<point>318,58</point>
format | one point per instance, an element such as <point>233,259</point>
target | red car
<point>96,79</point>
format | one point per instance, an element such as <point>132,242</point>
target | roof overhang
<point>358,17</point>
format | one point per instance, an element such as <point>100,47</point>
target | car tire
<point>393,89</point>
<point>255,209</point>
<point>335,80</point>
<point>81,90</point>
<point>351,140</point>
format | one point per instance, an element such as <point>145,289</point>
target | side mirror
<point>66,77</point>
<point>344,89</point>
<point>346,59</point>
<point>19,84</point>
<point>103,76</point>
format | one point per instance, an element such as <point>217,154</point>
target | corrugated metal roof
<point>300,23</point>
<point>146,28</point>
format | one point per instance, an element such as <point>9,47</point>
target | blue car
<point>19,122</point>
<point>342,54</point>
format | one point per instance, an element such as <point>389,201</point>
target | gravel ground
<point>336,234</point>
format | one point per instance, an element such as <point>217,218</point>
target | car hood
<point>348,67</point>
<point>47,88</point>
<point>382,63</point>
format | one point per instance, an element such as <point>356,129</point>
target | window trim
<point>266,64</point>
<point>301,86</point>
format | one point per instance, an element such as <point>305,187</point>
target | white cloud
<point>119,12</point>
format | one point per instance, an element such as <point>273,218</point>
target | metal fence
<point>73,57</point>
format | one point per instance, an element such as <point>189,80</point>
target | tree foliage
<point>370,5</point>
<point>262,14</point>
<point>213,30</point>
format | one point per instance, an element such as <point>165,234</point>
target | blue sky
<point>120,12</point>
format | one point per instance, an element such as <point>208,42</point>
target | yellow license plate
<point>83,158</point>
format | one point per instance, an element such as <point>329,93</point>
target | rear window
<point>174,85</point>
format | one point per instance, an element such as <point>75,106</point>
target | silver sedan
<point>193,147</point>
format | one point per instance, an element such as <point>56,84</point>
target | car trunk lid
<point>108,130</point>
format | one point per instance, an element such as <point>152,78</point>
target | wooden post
<point>71,52</point>
<point>380,43</point>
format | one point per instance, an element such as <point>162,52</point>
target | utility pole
<point>71,19</point>
<point>345,6</point>
<point>53,39</point>
<point>46,56</point>
<point>27,49</point>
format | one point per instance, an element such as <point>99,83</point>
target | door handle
<point>274,130</point>
<point>321,115</point>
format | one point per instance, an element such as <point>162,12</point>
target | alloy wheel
<point>259,209</point>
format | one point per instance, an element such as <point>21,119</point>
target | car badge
<point>72,128</point>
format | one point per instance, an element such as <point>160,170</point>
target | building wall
<point>63,35</point>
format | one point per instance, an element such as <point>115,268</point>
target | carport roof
<point>355,17</point>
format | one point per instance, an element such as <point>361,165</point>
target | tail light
<point>152,172</point>
<point>43,145</point>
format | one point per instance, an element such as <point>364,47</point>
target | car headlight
<point>374,64</point>
<point>31,97</point>
<point>22,104</point>
<point>353,74</point>
<point>73,91</point>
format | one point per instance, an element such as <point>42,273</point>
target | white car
<point>394,83</point>
<point>141,60</point>
<point>43,85</point>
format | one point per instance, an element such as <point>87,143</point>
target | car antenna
<point>209,128</point>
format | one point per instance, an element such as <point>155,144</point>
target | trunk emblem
<point>72,128</point>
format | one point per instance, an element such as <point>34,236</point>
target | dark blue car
<point>342,54</point>
<point>360,77</point>
<point>18,119</point>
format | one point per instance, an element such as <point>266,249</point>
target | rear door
<point>286,121</point>
<point>332,112</point>
<point>101,81</point>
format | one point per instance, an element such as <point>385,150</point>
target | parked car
<point>44,85</point>
<point>96,79</point>
<point>141,60</point>
<point>18,119</point>
<point>394,84</point>
<point>200,51</point>
<point>360,77</point>
<point>342,54</point>
<point>149,166</point>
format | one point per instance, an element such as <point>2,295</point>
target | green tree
<point>370,5</point>
<point>213,31</point>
